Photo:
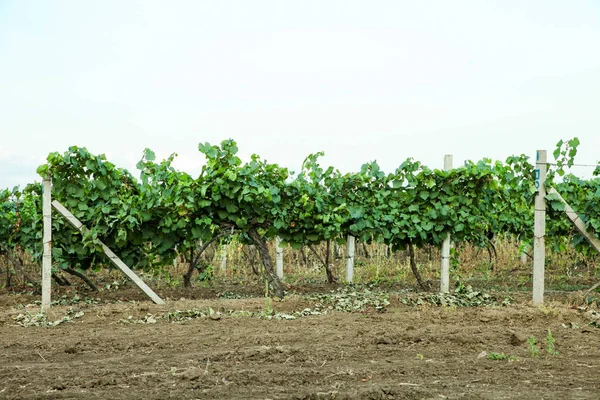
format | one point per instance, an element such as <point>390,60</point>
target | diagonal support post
<point>576,221</point>
<point>109,253</point>
<point>580,226</point>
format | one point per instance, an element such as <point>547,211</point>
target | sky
<point>359,80</point>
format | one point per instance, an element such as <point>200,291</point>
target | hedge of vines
<point>148,220</point>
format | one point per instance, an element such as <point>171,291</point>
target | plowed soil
<point>406,352</point>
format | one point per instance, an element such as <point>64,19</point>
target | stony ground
<point>113,347</point>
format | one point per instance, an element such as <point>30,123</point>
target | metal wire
<point>578,165</point>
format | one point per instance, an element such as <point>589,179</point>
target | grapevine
<point>148,221</point>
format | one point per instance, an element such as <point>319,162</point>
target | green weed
<point>497,356</point>
<point>551,344</point>
<point>533,349</point>
<point>502,356</point>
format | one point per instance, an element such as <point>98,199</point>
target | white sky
<point>360,80</point>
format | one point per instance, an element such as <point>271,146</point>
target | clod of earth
<point>517,338</point>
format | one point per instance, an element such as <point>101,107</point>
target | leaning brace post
<point>539,231</point>
<point>278,257</point>
<point>47,243</point>
<point>350,259</point>
<point>577,222</point>
<point>109,253</point>
<point>445,268</point>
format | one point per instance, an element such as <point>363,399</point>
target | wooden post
<point>109,253</point>
<point>525,249</point>
<point>224,258</point>
<point>539,230</point>
<point>47,243</point>
<point>445,267</point>
<point>350,243</point>
<point>175,259</point>
<point>278,257</point>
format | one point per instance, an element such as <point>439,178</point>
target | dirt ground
<point>406,352</point>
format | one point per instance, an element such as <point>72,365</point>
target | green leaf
<point>42,170</point>
<point>427,226</point>
<point>231,208</point>
<point>356,212</point>
<point>149,155</point>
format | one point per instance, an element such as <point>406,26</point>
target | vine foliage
<point>149,220</point>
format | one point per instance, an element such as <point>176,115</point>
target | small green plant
<point>454,261</point>
<point>502,356</point>
<point>170,280</point>
<point>497,356</point>
<point>268,306</point>
<point>551,344</point>
<point>268,301</point>
<point>206,274</point>
<point>533,349</point>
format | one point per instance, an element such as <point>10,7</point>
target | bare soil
<point>406,352</point>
